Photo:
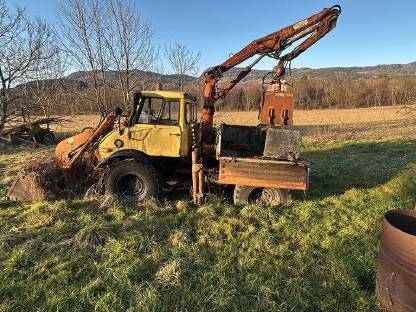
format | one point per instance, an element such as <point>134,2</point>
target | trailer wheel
<point>133,179</point>
<point>269,197</point>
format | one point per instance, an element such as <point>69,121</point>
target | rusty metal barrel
<point>396,277</point>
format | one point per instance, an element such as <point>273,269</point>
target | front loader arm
<point>70,153</point>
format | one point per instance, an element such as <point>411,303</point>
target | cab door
<point>160,133</point>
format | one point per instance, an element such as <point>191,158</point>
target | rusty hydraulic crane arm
<point>316,26</point>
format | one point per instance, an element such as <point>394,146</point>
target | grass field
<point>317,253</point>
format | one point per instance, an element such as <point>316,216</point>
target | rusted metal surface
<point>264,173</point>
<point>207,120</point>
<point>315,27</point>
<point>276,109</point>
<point>396,278</point>
<point>197,165</point>
<point>72,144</point>
<point>282,143</point>
<point>246,141</point>
<point>25,188</point>
<point>73,149</point>
<point>240,141</point>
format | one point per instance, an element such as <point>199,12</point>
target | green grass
<point>317,254</point>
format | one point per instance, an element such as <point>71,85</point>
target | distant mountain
<point>256,74</point>
<point>346,72</point>
<point>67,83</point>
<point>79,79</point>
<point>136,74</point>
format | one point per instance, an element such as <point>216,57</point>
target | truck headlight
<point>119,143</point>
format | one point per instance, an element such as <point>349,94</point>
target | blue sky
<point>368,32</point>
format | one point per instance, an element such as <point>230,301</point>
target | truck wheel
<point>269,197</point>
<point>133,179</point>
<point>46,137</point>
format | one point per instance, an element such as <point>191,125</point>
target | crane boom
<point>316,27</point>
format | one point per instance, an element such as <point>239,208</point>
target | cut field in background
<point>340,124</point>
<point>313,254</point>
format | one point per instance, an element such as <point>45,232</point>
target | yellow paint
<point>153,139</point>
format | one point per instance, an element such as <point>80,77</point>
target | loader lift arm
<point>316,26</point>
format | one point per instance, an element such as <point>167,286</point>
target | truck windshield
<point>156,110</point>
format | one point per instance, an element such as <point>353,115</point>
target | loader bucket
<point>26,188</point>
<point>39,180</point>
<point>46,180</point>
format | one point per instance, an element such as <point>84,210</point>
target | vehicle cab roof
<point>169,94</point>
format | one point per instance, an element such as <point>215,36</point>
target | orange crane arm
<point>317,26</point>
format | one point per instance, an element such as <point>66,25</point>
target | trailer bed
<point>262,157</point>
<point>282,174</point>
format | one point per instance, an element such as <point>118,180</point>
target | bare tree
<point>45,92</point>
<point>182,61</point>
<point>82,30</point>
<point>23,45</point>
<point>129,44</point>
<point>107,39</point>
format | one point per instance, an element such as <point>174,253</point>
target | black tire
<point>269,197</point>
<point>133,179</point>
<point>46,138</point>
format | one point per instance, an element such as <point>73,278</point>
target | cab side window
<point>169,114</point>
<point>151,109</point>
<point>191,114</point>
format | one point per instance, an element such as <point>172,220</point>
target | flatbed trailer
<point>260,159</point>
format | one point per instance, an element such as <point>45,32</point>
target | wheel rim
<point>130,186</point>
<point>264,196</point>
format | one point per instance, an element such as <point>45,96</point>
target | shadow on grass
<point>350,165</point>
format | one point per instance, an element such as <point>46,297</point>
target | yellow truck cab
<point>152,146</point>
<point>159,125</point>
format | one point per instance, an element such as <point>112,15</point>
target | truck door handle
<point>177,134</point>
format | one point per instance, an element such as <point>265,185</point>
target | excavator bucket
<point>26,188</point>
<point>43,180</point>
<point>39,180</point>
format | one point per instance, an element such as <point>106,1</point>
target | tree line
<point>330,92</point>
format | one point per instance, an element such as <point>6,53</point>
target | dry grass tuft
<point>169,273</point>
<point>91,236</point>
